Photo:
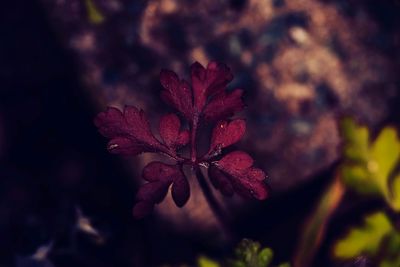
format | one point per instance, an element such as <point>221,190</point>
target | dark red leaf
<point>180,190</point>
<point>139,125</point>
<point>257,174</point>
<point>220,181</point>
<point>169,80</point>
<point>169,128</point>
<point>160,177</point>
<point>246,180</point>
<point>236,161</point>
<point>170,131</point>
<point>183,138</point>
<point>208,82</point>
<point>227,133</point>
<point>111,122</point>
<point>129,131</point>
<point>177,93</point>
<point>153,192</point>
<point>158,171</point>
<point>255,186</point>
<point>125,146</point>
<point>223,105</point>
<point>142,209</point>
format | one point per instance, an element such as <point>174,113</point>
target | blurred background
<point>302,63</point>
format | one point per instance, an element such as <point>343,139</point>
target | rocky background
<point>302,63</point>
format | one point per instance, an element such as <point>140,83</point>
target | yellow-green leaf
<point>366,239</point>
<point>395,193</point>
<point>206,262</point>
<point>250,254</point>
<point>357,177</point>
<point>368,165</point>
<point>390,262</point>
<point>385,152</point>
<point>356,139</point>
<point>94,15</point>
<point>391,255</point>
<point>265,257</point>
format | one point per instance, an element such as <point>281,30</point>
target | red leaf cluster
<point>207,100</point>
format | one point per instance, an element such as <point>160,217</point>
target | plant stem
<point>172,154</point>
<point>213,202</point>
<point>193,151</point>
<point>314,230</point>
<point>208,194</point>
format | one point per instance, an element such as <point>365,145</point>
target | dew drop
<point>112,146</point>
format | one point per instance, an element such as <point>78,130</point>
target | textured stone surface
<point>302,65</point>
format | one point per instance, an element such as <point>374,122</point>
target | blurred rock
<point>302,64</point>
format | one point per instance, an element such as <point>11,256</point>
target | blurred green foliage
<point>368,165</point>
<point>94,15</point>
<point>377,238</point>
<point>370,169</point>
<point>203,261</point>
<point>364,239</point>
<point>248,253</point>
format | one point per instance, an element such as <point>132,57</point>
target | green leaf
<point>390,262</point>
<point>206,262</point>
<point>265,257</point>
<point>356,140</point>
<point>236,263</point>
<point>247,252</point>
<point>391,257</point>
<point>250,254</point>
<point>385,152</point>
<point>366,239</point>
<point>396,193</point>
<point>393,246</point>
<point>94,15</point>
<point>368,165</point>
<point>358,178</point>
